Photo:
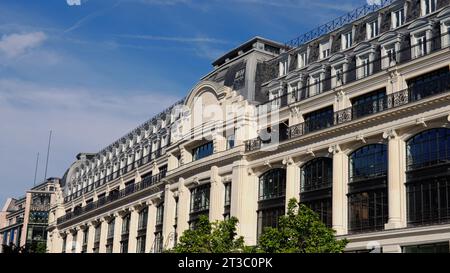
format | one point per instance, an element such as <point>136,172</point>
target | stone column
<point>169,216</point>
<point>132,241</point>
<point>69,242</point>
<point>244,200</point>
<point>183,207</point>
<point>91,235</point>
<point>80,237</point>
<point>117,233</point>
<point>292,180</point>
<point>103,235</point>
<point>396,192</point>
<point>217,196</point>
<point>340,189</point>
<point>151,221</point>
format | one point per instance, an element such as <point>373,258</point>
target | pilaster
<point>132,241</point>
<point>183,207</point>
<point>169,216</point>
<point>292,180</point>
<point>396,191</point>
<point>117,233</point>
<point>339,195</point>
<point>244,199</point>
<point>217,196</point>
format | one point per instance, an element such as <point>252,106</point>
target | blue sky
<point>92,70</point>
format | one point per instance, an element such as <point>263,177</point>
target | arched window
<point>315,190</point>
<point>428,177</point>
<point>367,193</point>
<point>271,205</point>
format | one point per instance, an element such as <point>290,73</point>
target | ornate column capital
<point>288,161</point>
<point>250,171</point>
<point>390,134</point>
<point>334,149</point>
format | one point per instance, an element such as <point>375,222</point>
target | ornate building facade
<point>24,221</point>
<point>354,122</point>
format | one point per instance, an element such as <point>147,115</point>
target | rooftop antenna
<point>35,170</point>
<point>48,152</point>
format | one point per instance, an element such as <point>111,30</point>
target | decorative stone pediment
<point>419,23</point>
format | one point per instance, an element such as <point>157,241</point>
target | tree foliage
<point>300,231</point>
<point>207,237</point>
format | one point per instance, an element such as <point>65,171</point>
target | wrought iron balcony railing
<point>145,183</point>
<point>122,171</point>
<point>413,94</point>
<point>353,73</point>
<point>338,22</point>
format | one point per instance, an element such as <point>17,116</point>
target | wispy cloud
<point>176,39</point>
<point>22,95</point>
<point>90,17</point>
<point>296,4</point>
<point>164,2</point>
<point>14,45</point>
<point>73,2</point>
<point>82,120</point>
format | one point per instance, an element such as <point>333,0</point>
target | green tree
<point>300,231</point>
<point>207,237</point>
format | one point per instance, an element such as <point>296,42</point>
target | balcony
<point>399,57</point>
<point>101,202</point>
<point>410,95</point>
<point>122,171</point>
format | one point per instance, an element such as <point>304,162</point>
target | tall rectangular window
<point>97,234</point>
<point>421,45</point>
<point>398,18</point>
<point>158,246</point>
<point>428,6</point>
<point>283,68</point>
<point>159,214</point>
<point>142,230</point>
<point>347,40</point>
<point>227,203</point>
<point>125,234</point>
<point>230,141</point>
<point>85,240</point>
<point>372,29</point>
<point>324,49</point>
<point>302,60</point>
<point>110,236</point>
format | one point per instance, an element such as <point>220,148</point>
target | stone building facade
<point>354,123</point>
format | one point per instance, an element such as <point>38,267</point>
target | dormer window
<point>302,59</point>
<point>324,50</point>
<point>428,6</point>
<point>314,85</point>
<point>283,68</point>
<point>363,66</point>
<point>372,29</point>
<point>347,40</point>
<point>389,56</point>
<point>339,75</point>
<point>420,45</point>
<point>398,18</point>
